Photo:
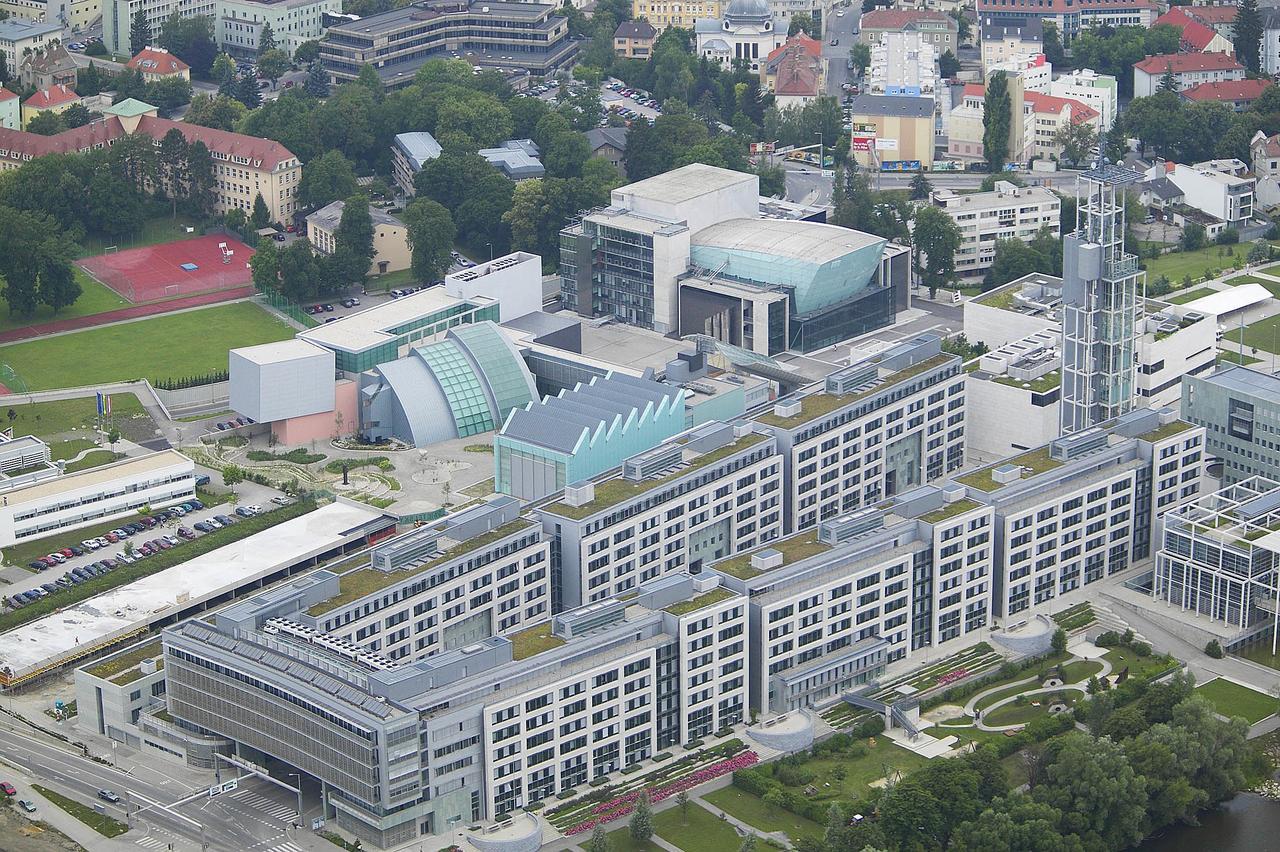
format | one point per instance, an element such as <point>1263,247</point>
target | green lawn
<point>44,419</point>
<point>1227,357</point>
<point>1080,670</point>
<point>97,458</point>
<point>861,771</point>
<point>702,831</point>
<point>1020,714</point>
<point>1176,265</point>
<point>1232,699</point>
<point>101,823</point>
<point>1263,335</point>
<point>1007,692</point>
<point>95,299</point>
<point>1189,295</point>
<point>620,841</point>
<point>162,229</point>
<point>1122,658</point>
<point>754,812</point>
<point>390,281</point>
<point>175,346</point>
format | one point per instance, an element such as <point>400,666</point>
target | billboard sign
<point>900,166</point>
<point>863,129</point>
<point>861,143</point>
<point>886,144</point>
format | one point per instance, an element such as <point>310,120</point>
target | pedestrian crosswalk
<point>267,806</point>
<point>152,842</point>
<point>285,847</point>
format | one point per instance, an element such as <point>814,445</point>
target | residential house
<point>675,13</point>
<point>1220,16</point>
<point>634,39</point>
<point>1188,70</point>
<point>1264,151</point>
<point>18,37</point>
<point>802,41</point>
<point>608,143</point>
<point>47,68</point>
<point>1004,38</point>
<point>1218,194</point>
<point>797,79</point>
<point>1007,212</point>
<point>1196,37</point>
<point>1237,94</point>
<point>391,251</point>
<point>55,99</point>
<point>936,28</point>
<point>156,64</point>
<point>1047,116</point>
<point>10,110</point>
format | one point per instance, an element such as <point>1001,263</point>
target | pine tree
<point>247,92</point>
<point>1169,83</point>
<point>261,215</point>
<point>317,84</point>
<point>997,121</point>
<point>266,39</point>
<point>139,33</point>
<point>1248,35</point>
<point>641,824</point>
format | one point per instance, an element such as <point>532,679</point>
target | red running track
<point>134,312</point>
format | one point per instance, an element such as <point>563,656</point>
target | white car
<point>281,501</point>
<point>178,510</point>
<point>90,544</point>
<point>213,522</point>
<point>57,557</point>
<point>257,510</point>
<point>173,541</point>
<point>121,556</point>
<point>102,542</point>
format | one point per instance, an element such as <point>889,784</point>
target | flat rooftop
<point>280,351</point>
<point>818,404</point>
<point>125,610</point>
<point>627,346</point>
<point>374,326</point>
<point>1033,462</point>
<point>681,185</point>
<point>397,18</point>
<point>619,489</point>
<point>793,549</point>
<point>138,466</point>
<point>1246,381</point>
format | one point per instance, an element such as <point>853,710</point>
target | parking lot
<point>27,579</point>
<point>337,307</point>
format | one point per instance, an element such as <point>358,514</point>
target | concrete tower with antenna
<point>1099,303</point>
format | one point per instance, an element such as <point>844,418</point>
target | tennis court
<point>182,268</point>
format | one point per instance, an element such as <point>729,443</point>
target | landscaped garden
<point>1178,264</point>
<point>1073,618</point>
<point>752,810</point>
<point>1233,699</point>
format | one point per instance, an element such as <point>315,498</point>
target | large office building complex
<point>1099,304</point>
<point>872,430</point>
<point>688,251</point>
<point>1240,408</point>
<point>710,494</point>
<point>496,34</point>
<point>1008,212</point>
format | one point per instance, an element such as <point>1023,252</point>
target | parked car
<point>90,544</point>
<point>213,522</point>
<point>202,479</point>
<point>183,532</point>
<point>57,557</point>
<point>194,504</point>
<point>281,501</point>
<point>242,511</point>
<point>40,566</point>
<point>203,527</point>
<point>225,520</point>
<point>27,806</point>
<point>178,511</point>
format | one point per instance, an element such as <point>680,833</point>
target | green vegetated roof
<point>533,640</point>
<point>113,668</point>
<point>1037,461</point>
<point>1166,430</point>
<point>694,604</point>
<point>1002,299</point>
<point>1047,382</point>
<point>822,403</point>
<point>617,490</point>
<point>793,549</point>
<point>355,585</point>
<point>949,510</point>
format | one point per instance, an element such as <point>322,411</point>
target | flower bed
<point>622,805</point>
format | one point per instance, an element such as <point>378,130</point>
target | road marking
<point>267,806</point>
<point>151,842</point>
<point>286,847</point>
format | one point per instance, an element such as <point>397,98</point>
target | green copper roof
<point>129,107</point>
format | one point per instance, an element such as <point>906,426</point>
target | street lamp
<point>822,158</point>
<point>299,777</point>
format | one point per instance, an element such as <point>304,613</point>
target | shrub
<point>1142,649</point>
<point>869,728</point>
<point>536,806</point>
<point>630,768</point>
<point>1214,649</point>
<point>567,794</point>
<point>857,750</point>
<point>1107,639</point>
<point>598,782</point>
<point>658,758</point>
<point>693,744</point>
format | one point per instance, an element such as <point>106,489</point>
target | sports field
<point>180,268</point>
<point>174,346</point>
<point>94,299</point>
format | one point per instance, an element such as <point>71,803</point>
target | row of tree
<point>300,274</point>
<point>36,263</point>
<point>1167,125</point>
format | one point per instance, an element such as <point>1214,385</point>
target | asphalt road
<point>845,28</point>
<point>245,820</point>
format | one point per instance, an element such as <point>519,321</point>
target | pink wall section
<point>322,426</point>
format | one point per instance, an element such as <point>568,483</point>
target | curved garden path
<point>1078,686</point>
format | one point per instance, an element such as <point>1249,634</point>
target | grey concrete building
<point>1240,411</point>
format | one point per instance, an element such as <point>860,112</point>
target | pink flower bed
<point>623,805</point>
<point>951,677</point>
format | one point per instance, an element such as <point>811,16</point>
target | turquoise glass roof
<point>461,386</point>
<point>507,377</point>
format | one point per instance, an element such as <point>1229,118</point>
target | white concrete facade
<point>1092,89</point>
<point>277,381</point>
<point>514,281</point>
<point>1218,194</point>
<point>1008,212</point>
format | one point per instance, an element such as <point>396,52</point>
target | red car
<point>290,229</point>
<point>67,552</point>
<point>8,789</point>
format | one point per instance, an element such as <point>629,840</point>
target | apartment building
<point>713,492</point>
<point>1007,212</point>
<point>10,110</point>
<point>1239,95</point>
<point>1215,193</point>
<point>934,27</point>
<point>245,166</point>
<point>1004,38</point>
<point>1195,37</point>
<point>1085,506</point>
<point>497,34</point>
<point>1188,70</point>
<point>634,39</point>
<point>1097,91</point>
<point>69,14</point>
<point>872,430</point>
<point>675,13</point>
<point>117,15</point>
<point>240,23</point>
<point>1073,17</point>
<point>19,35</point>
<point>391,251</point>
<point>415,749</point>
<point>156,64</point>
<point>830,608</point>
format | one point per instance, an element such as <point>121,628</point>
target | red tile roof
<point>797,76</point>
<point>896,19</point>
<point>812,45</point>
<point>1271,146</point>
<point>1227,90</point>
<point>1211,15</point>
<point>1053,104</point>
<point>261,153</point>
<point>974,90</point>
<point>1195,35</point>
<point>1175,17</point>
<point>1182,63</point>
<point>5,94</point>
<point>264,153</point>
<point>51,97</point>
<point>153,60</point>
<point>18,145</point>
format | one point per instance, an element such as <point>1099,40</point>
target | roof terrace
<point>793,549</point>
